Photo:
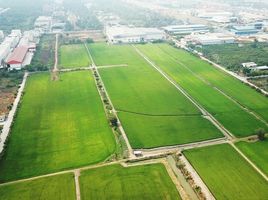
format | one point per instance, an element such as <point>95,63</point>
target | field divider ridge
<point>226,133</point>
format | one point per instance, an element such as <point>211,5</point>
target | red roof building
<point>17,56</point>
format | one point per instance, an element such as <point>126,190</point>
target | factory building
<point>186,29</point>
<point>244,30</point>
<point>17,57</point>
<point>43,23</point>
<point>121,34</point>
<point>212,38</point>
<point>4,52</point>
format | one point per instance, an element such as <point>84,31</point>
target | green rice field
<point>58,126</point>
<point>227,174</point>
<point>220,94</point>
<point>139,182</point>
<point>139,93</point>
<point>257,152</point>
<point>73,56</point>
<point>50,188</point>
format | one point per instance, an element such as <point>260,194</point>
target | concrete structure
<point>260,68</point>
<point>186,29</point>
<point>43,23</point>
<point>244,30</point>
<point>214,38</point>
<point>249,65</point>
<point>2,36</point>
<point>17,57</point>
<point>121,34</point>
<point>4,52</point>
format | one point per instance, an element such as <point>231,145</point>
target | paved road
<point>9,121</point>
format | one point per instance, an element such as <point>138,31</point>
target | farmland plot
<point>227,174</point>
<point>205,87</point>
<point>117,182</point>
<point>140,94</point>
<point>58,126</point>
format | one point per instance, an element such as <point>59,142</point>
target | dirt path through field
<point>55,70</point>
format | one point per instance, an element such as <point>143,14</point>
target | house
<point>260,68</point>
<point>16,59</point>
<point>249,65</point>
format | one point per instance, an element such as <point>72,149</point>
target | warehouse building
<point>244,30</point>
<point>211,38</point>
<point>17,57</point>
<point>186,29</point>
<point>117,35</point>
<point>4,51</point>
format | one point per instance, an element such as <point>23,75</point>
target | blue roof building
<point>244,30</point>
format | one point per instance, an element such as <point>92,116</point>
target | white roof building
<point>133,35</point>
<point>249,65</point>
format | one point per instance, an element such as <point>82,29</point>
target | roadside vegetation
<point>54,187</point>
<point>137,182</point>
<point>9,83</point>
<point>232,56</point>
<point>227,174</point>
<point>57,127</point>
<point>220,94</point>
<point>44,56</point>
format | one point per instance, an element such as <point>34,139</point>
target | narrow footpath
<point>12,113</point>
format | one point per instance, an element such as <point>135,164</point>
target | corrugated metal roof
<point>18,55</point>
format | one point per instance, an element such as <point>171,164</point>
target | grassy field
<point>227,174</point>
<point>73,56</point>
<point>140,93</point>
<point>50,188</point>
<point>213,89</point>
<point>256,152</point>
<point>57,127</point>
<point>116,182</point>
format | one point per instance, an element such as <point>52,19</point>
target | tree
<point>261,134</point>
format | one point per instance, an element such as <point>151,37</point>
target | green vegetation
<point>86,16</point>
<point>17,18</point>
<point>44,56</point>
<point>54,187</point>
<point>227,174</point>
<point>233,55</point>
<point>256,152</point>
<point>139,94</point>
<point>134,15</point>
<point>72,56</point>
<point>217,92</point>
<point>57,127</point>
<point>117,182</point>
